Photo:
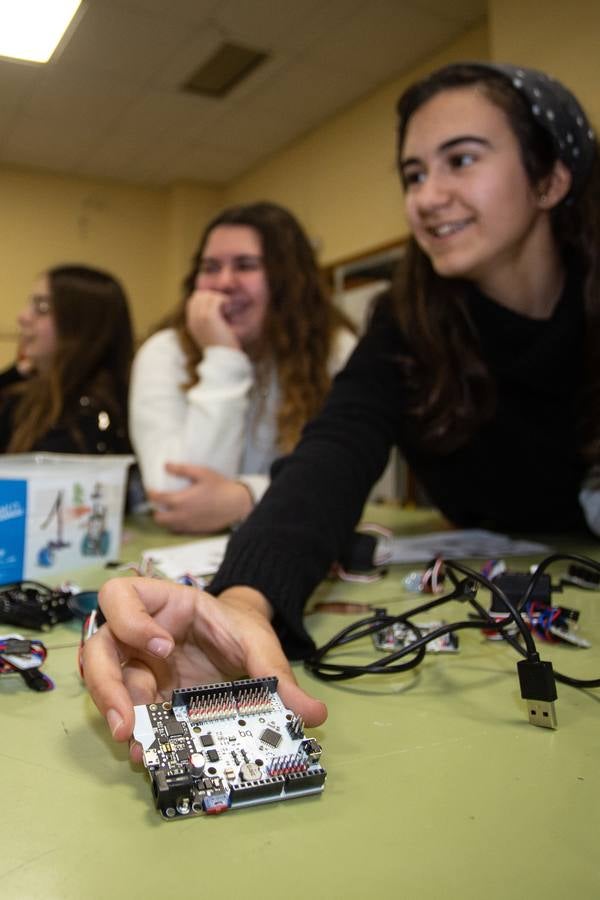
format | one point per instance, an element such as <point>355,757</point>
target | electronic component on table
<point>583,577</point>
<point>19,655</point>
<point>514,585</point>
<point>33,605</point>
<point>547,621</point>
<point>399,635</point>
<point>223,746</point>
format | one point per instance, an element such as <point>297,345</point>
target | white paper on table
<point>470,543</point>
<point>196,558</point>
<point>203,557</point>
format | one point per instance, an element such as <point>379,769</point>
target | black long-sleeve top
<point>521,470</point>
<point>87,425</point>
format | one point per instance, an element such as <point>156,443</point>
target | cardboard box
<point>59,512</point>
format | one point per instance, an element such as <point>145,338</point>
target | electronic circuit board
<point>223,746</point>
<point>399,635</point>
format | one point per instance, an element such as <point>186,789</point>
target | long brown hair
<point>93,354</point>
<point>301,321</point>
<point>452,389</point>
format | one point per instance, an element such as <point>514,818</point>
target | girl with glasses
<point>227,383</point>
<point>76,338</point>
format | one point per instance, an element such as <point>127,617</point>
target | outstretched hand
<point>159,636</point>
<point>211,503</point>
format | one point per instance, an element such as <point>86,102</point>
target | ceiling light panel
<point>31,29</point>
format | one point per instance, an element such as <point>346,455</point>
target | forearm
<point>301,526</point>
<point>202,426</point>
<point>316,497</point>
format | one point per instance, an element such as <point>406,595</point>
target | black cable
<point>545,563</point>
<point>499,594</point>
<point>362,628</point>
<point>463,589</point>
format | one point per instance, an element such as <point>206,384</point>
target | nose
<point>25,316</point>
<point>219,279</point>
<point>433,193</point>
<point>223,280</point>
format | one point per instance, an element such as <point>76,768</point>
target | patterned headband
<point>559,113</point>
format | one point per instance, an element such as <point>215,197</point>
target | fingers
<point>162,498</point>
<point>129,605</point>
<point>132,607</point>
<point>205,320</point>
<point>265,656</point>
<point>104,679</point>
<point>185,470</point>
<point>313,711</point>
<point>177,516</point>
<point>140,682</point>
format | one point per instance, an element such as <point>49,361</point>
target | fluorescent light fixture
<point>31,29</point>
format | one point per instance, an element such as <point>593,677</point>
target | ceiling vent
<point>229,65</point>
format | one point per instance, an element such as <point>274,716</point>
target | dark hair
<point>93,353</point>
<point>301,320</point>
<point>453,392</point>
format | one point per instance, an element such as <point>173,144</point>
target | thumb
<point>265,656</point>
<point>313,711</point>
<point>185,470</point>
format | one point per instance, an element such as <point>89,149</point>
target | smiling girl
<point>245,360</point>
<point>481,363</point>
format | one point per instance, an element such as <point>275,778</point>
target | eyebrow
<point>235,256</point>
<point>448,145</point>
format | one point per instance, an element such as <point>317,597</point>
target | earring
<point>543,198</point>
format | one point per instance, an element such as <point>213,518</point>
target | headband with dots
<point>559,113</point>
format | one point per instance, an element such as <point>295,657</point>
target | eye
<point>248,263</point>
<point>462,160</point>
<point>208,266</point>
<point>411,177</point>
<point>40,304</point>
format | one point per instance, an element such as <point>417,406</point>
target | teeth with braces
<point>448,228</point>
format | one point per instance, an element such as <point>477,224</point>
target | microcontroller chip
<point>207,740</point>
<point>271,737</point>
<point>174,728</point>
<point>212,755</point>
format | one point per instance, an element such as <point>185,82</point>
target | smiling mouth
<point>448,228</point>
<point>234,308</point>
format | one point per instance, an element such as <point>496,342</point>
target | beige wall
<point>189,207</point>
<point>340,179</point>
<point>560,38</point>
<point>145,236</point>
<point>46,220</point>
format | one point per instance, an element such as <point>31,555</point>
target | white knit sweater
<point>222,422</point>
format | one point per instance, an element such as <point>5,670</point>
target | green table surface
<point>437,785</point>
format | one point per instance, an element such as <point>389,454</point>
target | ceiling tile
<point>16,82</point>
<point>32,143</point>
<point>110,103</point>
<point>114,38</point>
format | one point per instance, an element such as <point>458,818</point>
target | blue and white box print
<point>13,513</point>
<point>59,512</point>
